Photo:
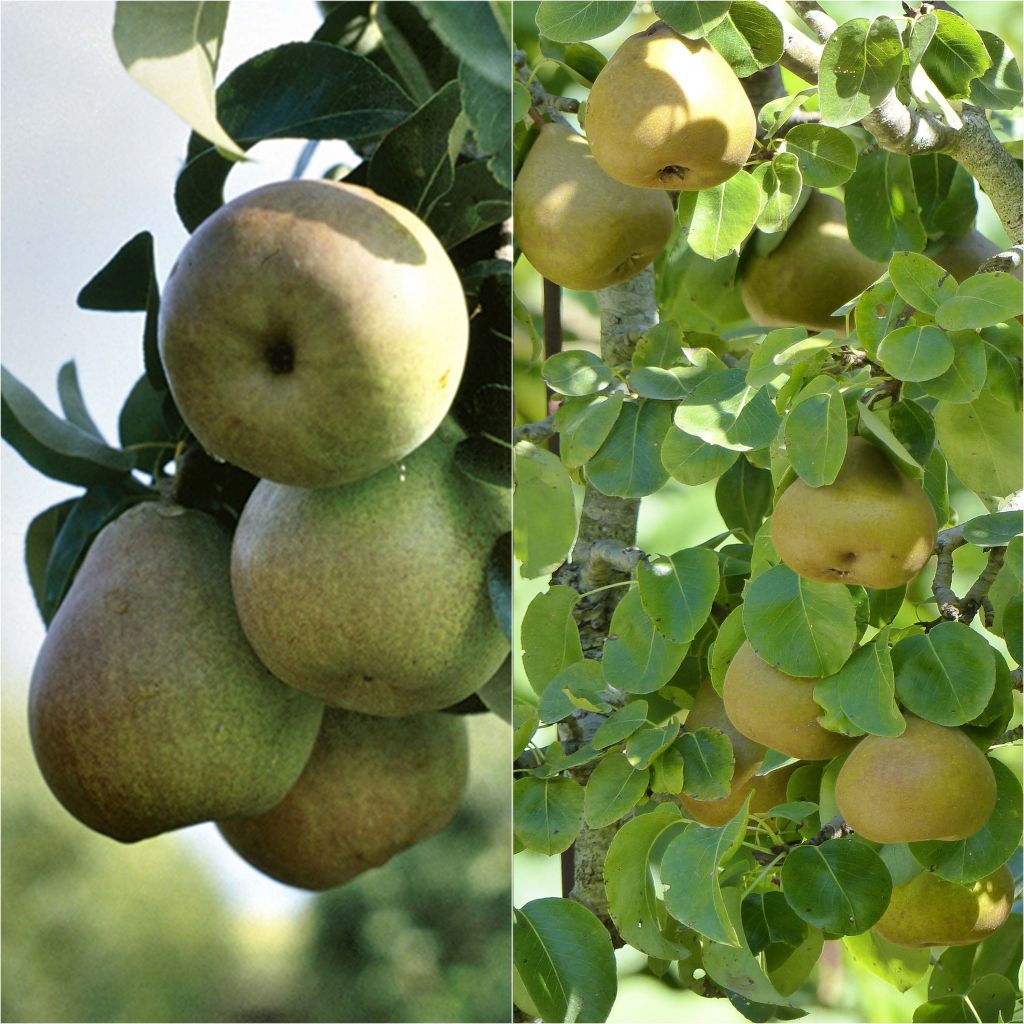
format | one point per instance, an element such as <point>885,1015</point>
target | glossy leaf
<point>577,678</point>
<point>547,813</point>
<point>693,20</point>
<point>647,744</point>
<point>584,424</point>
<point>860,63</point>
<point>999,88</point>
<point>637,657</point>
<point>749,37</point>
<point>612,789</point>
<point>677,591</point>
<point>628,464</point>
<point>725,410</point>
<point>866,688</point>
<point>955,56</point>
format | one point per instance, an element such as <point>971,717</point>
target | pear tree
<point>768,510</point>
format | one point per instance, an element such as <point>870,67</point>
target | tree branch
<point>535,432</point>
<point>835,829</point>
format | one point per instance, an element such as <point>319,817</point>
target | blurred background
<point>677,517</point>
<point>178,928</point>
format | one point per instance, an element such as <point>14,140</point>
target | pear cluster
<point>665,113</point>
<point>287,680</point>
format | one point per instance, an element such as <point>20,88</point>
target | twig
<point>615,556</point>
<point>1017,679</point>
<point>535,432</point>
<point>835,829</point>
<point>1012,736</point>
<point>1009,261</point>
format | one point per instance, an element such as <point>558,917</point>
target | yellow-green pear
<point>708,711</point>
<point>577,226</point>
<point>813,271</point>
<point>313,332</point>
<point>373,596</point>
<point>777,710</point>
<point>871,526</point>
<point>931,782</point>
<point>769,791</point>
<point>148,709</point>
<point>668,112</point>
<point>372,788</point>
<point>931,911</point>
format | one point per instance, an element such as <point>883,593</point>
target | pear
<point>373,595</point>
<point>871,526</point>
<point>931,782</point>
<point>577,226</point>
<point>931,911</point>
<point>813,271</point>
<point>769,791</point>
<point>148,709</point>
<point>372,788</point>
<point>313,332</point>
<point>708,711</point>
<point>668,112</point>
<point>777,710</point>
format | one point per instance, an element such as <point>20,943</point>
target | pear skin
<point>769,791</point>
<point>931,782</point>
<point>577,226</point>
<point>668,112</point>
<point>148,709</point>
<point>313,332</point>
<point>373,596</point>
<point>777,710</point>
<point>813,271</point>
<point>372,788</point>
<point>871,526</point>
<point>931,911</point>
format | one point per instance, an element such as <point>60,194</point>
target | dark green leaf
<point>628,464</point>
<point>744,497</point>
<point>866,689</point>
<point>995,529</point>
<point>881,206</point>
<point>584,424</point>
<point>708,763</point>
<point>474,203</point>
<point>475,32</point>
<point>550,636</point>
<point>499,582</point>
<point>692,461</point>
<point>548,813</point>
<point>677,592</point>
<point>955,56</point>
<point>486,107</point>
<point>612,789</point>
<point>39,540</point>
<point>999,88</point>
<point>860,64</point>
<point>637,658</point>
<point>621,724</point>
<point>576,372</point>
<point>749,37</point>
<point>693,20</point>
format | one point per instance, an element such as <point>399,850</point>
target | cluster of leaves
<point>931,373</point>
<point>423,97</point>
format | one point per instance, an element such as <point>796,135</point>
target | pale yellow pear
<point>668,112</point>
<point>577,226</point>
<point>813,271</point>
<point>931,782</point>
<point>931,911</point>
<point>871,526</point>
<point>777,710</point>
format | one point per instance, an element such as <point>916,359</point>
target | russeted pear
<point>372,788</point>
<point>871,526</point>
<point>577,226</point>
<point>931,911</point>
<point>931,782</point>
<point>148,709</point>
<point>708,711</point>
<point>769,791</point>
<point>813,271</point>
<point>313,332</point>
<point>373,595</point>
<point>777,710</point>
<point>668,112</point>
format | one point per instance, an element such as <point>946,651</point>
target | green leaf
<point>412,49</point>
<point>612,789</point>
<point>692,461</point>
<point>665,384</point>
<point>708,763</point>
<point>744,497</point>
<point>768,918</point>
<point>660,345</point>
<point>581,61</point>
<point>841,886</point>
<point>779,351</point>
<point>499,587</point>
<point>872,426</point>
<point>632,899</point>
<point>725,410</point>
<point>866,687</point>
<point>550,636</point>
<point>55,447</point>
<point>827,156</point>
<point>476,33</point>
<point>570,20</point>
<point>860,64</point>
<point>991,997</point>
<point>693,20</point>
<point>298,90</point>
<point>916,353</point>
<point>875,313</point>
<point>798,626</point>
<point>898,966</point>
<point>697,854</point>
<point>995,529</point>
<point>628,464</point>
<point>936,485</point>
<point>637,658</point>
<point>945,193</point>
<point>576,372</point>
<point>524,724</point>
<point>40,538</point>
<point>544,511</point>
<point>677,592</point>
<point>920,281</point>
<point>577,679</point>
<point>563,957</point>
<point>999,88</point>
<point>474,202</point>
<point>729,640</point>
<point>913,427</point>
<point>584,425</point>
<point>780,182</point>
<point>955,56</point>
<point>945,675</point>
<point>647,745</point>
<point>749,37</point>
<point>72,403</point>
<point>621,724</point>
<point>486,108</point>
<point>966,860</point>
<point>413,164</point>
<point>1003,371</point>
<point>150,425</point>
<point>172,51</point>
<point>724,215</point>
<point>548,813</point>
<point>982,300</point>
<point>788,967</point>
<point>815,433</point>
<point>965,378</point>
<point>981,441</point>
<point>882,213</point>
